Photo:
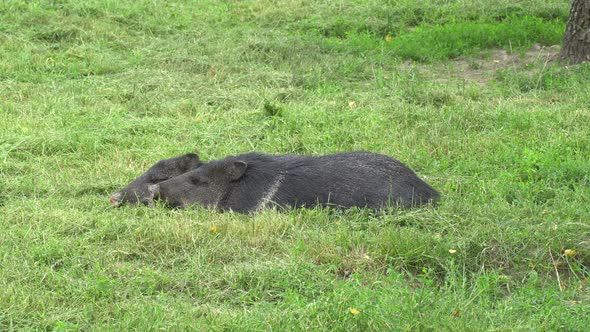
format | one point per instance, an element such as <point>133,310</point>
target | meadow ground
<point>92,93</point>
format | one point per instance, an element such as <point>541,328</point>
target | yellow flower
<point>570,252</point>
<point>388,38</point>
<point>213,229</point>
<point>354,311</point>
<point>452,251</point>
<point>352,104</point>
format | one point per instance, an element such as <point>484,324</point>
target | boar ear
<point>192,156</point>
<point>191,160</point>
<point>237,169</point>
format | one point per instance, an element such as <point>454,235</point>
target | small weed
<point>271,109</point>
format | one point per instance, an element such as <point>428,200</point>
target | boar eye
<point>195,180</point>
<point>157,179</point>
<point>198,180</point>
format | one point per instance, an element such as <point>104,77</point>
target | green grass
<point>455,39</point>
<point>93,93</point>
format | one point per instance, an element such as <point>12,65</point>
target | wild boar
<point>250,182</point>
<point>137,191</point>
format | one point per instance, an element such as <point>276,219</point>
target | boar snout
<point>118,199</point>
<point>115,199</point>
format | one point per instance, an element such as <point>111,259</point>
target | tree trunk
<point>576,42</point>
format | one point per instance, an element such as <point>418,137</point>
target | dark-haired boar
<point>250,182</point>
<point>137,191</point>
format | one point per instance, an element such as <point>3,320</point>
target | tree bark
<point>576,42</point>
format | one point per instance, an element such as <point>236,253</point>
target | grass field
<point>92,93</point>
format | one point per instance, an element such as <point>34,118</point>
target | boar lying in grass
<point>137,191</point>
<point>250,182</point>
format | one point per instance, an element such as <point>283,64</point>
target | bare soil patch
<point>482,70</point>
